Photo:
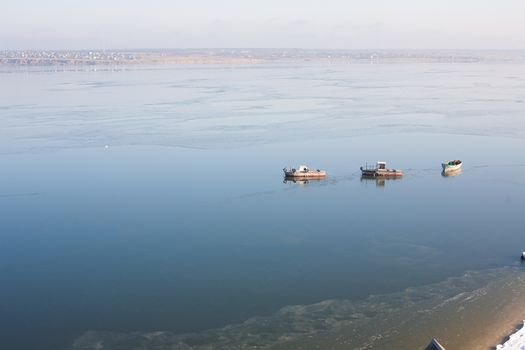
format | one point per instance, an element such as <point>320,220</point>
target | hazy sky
<point>347,24</point>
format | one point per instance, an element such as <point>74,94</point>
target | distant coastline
<point>249,56</point>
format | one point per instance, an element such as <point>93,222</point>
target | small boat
<point>451,165</point>
<point>434,345</point>
<point>380,170</point>
<point>303,171</point>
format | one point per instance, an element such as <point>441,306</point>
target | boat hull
<point>309,174</point>
<point>451,173</point>
<point>450,167</point>
<point>381,173</point>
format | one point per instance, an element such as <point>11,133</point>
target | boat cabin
<point>303,168</point>
<point>381,165</point>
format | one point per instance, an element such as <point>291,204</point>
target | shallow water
<point>151,198</point>
<point>459,311</point>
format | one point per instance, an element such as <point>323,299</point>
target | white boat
<point>452,165</point>
<point>303,171</point>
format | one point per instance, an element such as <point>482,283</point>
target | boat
<point>451,165</point>
<point>434,345</point>
<point>380,170</point>
<point>303,171</point>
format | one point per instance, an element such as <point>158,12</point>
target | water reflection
<point>379,181</point>
<point>301,181</point>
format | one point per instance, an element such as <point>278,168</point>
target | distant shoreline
<point>250,56</point>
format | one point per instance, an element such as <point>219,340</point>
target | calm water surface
<point>151,198</point>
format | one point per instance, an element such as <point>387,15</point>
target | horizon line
<point>265,48</point>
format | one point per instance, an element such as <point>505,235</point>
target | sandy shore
<point>478,319</point>
<point>484,321</point>
<point>476,311</point>
<point>505,319</point>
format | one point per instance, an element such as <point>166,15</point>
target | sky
<point>328,24</point>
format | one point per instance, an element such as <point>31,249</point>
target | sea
<point>146,205</point>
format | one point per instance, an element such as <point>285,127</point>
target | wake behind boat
<point>303,171</point>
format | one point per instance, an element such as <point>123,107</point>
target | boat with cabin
<point>304,172</point>
<point>380,170</point>
<point>451,165</point>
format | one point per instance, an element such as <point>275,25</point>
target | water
<point>151,198</point>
